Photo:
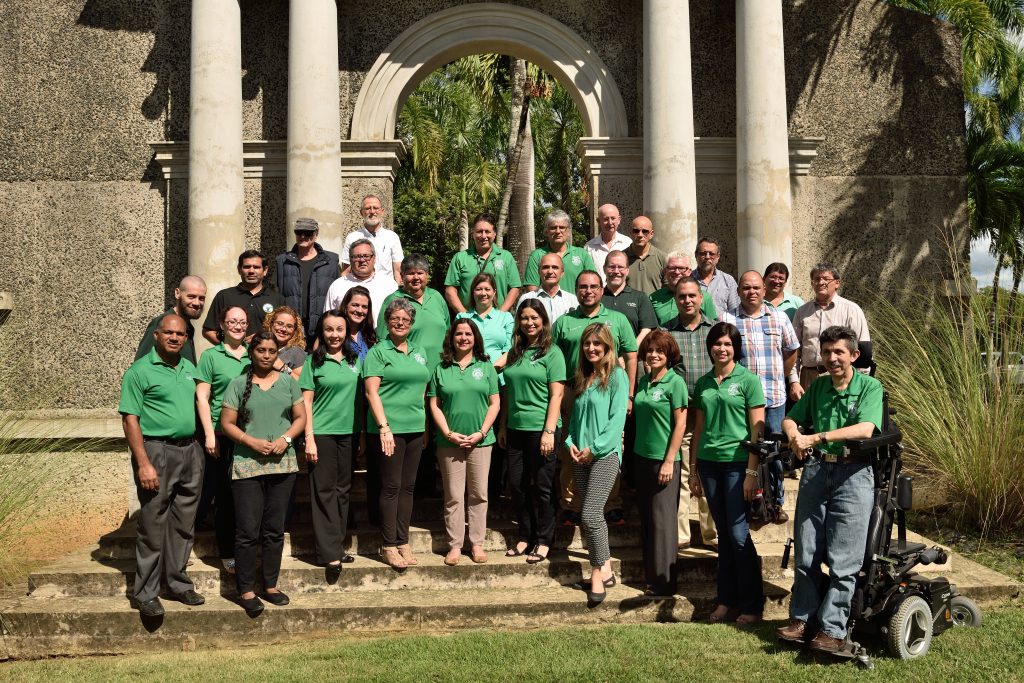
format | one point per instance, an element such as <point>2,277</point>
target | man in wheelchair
<point>836,492</point>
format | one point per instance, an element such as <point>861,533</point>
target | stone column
<point>314,131</point>
<point>216,212</point>
<point>764,221</point>
<point>670,183</point>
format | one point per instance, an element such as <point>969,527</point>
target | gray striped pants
<point>594,482</point>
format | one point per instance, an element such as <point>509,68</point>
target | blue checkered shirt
<point>767,336</point>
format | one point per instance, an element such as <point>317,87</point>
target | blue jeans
<point>739,567</point>
<point>833,508</point>
<point>773,425</point>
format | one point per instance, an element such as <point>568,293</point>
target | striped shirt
<point>562,302</point>
<point>766,336</point>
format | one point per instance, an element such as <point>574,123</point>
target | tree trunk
<point>518,124</point>
<point>1018,271</point>
<point>463,229</point>
<point>995,302</point>
<point>520,232</point>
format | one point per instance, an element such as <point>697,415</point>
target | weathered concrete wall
<point>92,239</point>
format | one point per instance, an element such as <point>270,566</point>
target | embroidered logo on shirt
<point>420,359</point>
<point>734,389</point>
<point>354,369</point>
<point>267,308</point>
<point>477,373</point>
<point>499,265</point>
<point>852,408</point>
<point>576,260</point>
<point>657,395</point>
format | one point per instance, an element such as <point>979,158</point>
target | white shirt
<point>385,243</point>
<point>380,285</point>
<point>599,251</point>
<point>562,302</point>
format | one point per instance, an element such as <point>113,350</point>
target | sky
<point>983,266</point>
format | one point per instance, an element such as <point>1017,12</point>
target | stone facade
<point>93,237</point>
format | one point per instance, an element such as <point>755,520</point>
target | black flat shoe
<point>189,597</point>
<point>535,558</point>
<point>587,585</point>
<point>277,599</point>
<point>252,606</point>
<point>149,608</point>
<point>332,573</point>
<point>347,559</point>
<point>595,599</point>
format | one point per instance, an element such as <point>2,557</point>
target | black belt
<point>845,458</point>
<point>180,443</point>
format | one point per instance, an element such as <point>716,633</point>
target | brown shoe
<point>453,557</point>
<point>393,558</point>
<point>406,552</point>
<point>782,517</point>
<point>823,642</point>
<point>794,632</point>
<point>477,554</point>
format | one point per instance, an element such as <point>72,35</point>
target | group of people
<point>610,358</point>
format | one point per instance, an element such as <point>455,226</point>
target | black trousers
<point>261,504</point>
<point>217,493</point>
<point>397,484</point>
<point>330,486</point>
<point>659,530</point>
<point>167,518</point>
<point>531,480</point>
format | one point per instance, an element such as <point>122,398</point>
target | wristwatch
<point>287,439</point>
<point>549,431</point>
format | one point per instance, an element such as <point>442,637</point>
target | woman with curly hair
<point>464,402</point>
<point>595,446</point>
<point>285,327</point>
<point>262,413</point>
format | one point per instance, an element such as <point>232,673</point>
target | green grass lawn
<point>677,652</point>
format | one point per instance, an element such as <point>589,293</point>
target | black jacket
<point>288,277</point>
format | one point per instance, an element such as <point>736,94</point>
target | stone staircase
<point>78,605</point>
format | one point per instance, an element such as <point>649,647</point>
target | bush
<point>955,377</point>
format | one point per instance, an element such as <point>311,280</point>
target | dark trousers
<point>531,480</point>
<point>330,485</point>
<point>260,507</point>
<point>739,567</point>
<point>659,528</point>
<point>166,519</point>
<point>397,484</point>
<point>217,492</point>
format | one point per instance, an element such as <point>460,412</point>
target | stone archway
<point>487,27</point>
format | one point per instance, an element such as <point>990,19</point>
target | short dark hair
<point>587,272</point>
<point>660,340</point>
<point>448,348</point>
<point>726,330</point>
<point>251,253</point>
<point>776,267</point>
<point>415,262</point>
<point>839,333</point>
<point>826,267</point>
<point>706,239</point>
<point>482,277</point>
<point>484,217</point>
<point>691,280</point>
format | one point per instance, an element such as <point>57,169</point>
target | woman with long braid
<point>262,413</point>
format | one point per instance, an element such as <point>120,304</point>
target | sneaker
<point>615,518</point>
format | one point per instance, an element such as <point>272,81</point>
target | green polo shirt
<point>574,261</point>
<point>789,305</point>
<point>635,305</point>
<point>464,397</point>
<point>162,396</point>
<point>725,408</point>
<point>467,264</point>
<point>527,389</point>
<point>337,394</point>
<point>569,328</point>
<point>599,416</point>
<point>428,329</point>
<point>188,350</point>
<point>666,309</point>
<point>825,409</point>
<point>403,381</point>
<point>270,416</point>
<point>217,367</point>
<point>653,406</point>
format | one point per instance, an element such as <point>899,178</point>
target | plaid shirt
<point>694,359</point>
<point>766,337</point>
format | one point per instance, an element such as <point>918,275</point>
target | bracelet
<point>483,434</point>
<point>751,473</point>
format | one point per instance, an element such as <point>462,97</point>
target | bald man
<point>189,302</point>
<point>646,261</point>
<point>608,238</point>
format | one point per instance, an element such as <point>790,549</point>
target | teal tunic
<point>599,416</point>
<point>270,416</point>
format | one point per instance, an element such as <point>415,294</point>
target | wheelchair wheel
<point>964,612</point>
<point>910,628</point>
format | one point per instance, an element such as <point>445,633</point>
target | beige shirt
<point>810,320</point>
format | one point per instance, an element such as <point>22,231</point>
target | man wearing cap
<point>646,261</point>
<point>575,260</point>
<point>608,238</point>
<point>158,416</point>
<point>482,256</point>
<point>251,295</point>
<point>386,244</point>
<point>555,300</point>
<point>362,273</point>
<point>305,273</point>
<point>189,301</point>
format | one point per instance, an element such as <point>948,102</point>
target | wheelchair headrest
<point>863,361</point>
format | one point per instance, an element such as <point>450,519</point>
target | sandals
<point>514,551</point>
<point>393,558</point>
<point>535,557</point>
<point>407,555</point>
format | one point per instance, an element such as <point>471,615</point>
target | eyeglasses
<point>236,323</point>
<point>707,253</point>
<point>822,280</point>
<point>304,234</point>
<point>558,228</point>
<point>362,257</point>
<point>678,268</point>
<point>399,322</point>
<point>283,326</point>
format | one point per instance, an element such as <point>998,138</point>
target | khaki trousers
<point>708,532</point>
<point>464,478</point>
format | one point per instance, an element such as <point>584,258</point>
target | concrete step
<point>38,627</point>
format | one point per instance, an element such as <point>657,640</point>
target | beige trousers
<point>708,532</point>
<point>464,477</point>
